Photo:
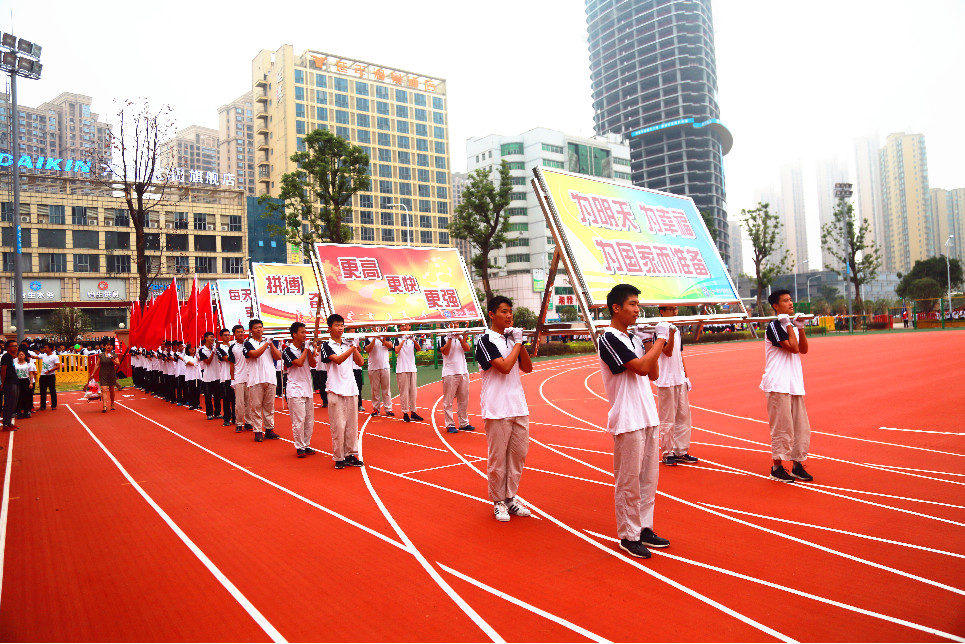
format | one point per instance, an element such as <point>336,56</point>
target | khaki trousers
<point>456,387</point>
<point>261,406</point>
<point>673,407</point>
<point>508,440</point>
<point>636,463</point>
<point>790,428</point>
<point>302,412</point>
<point>343,418</point>
<point>242,413</point>
<point>407,391</point>
<point>381,389</point>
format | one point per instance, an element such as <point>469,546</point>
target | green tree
<point>481,219</point>
<point>933,268</point>
<point>710,223</point>
<point>764,228</point>
<point>926,290</point>
<point>523,317</point>
<point>829,293</point>
<point>316,199</point>
<point>567,313</point>
<point>845,245</point>
<point>68,324</point>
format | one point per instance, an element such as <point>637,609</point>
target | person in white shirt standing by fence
<point>783,381</point>
<point>261,355</point>
<point>455,380</point>
<point>405,373</point>
<point>379,375</point>
<point>673,402</point>
<point>48,376</point>
<point>300,360</point>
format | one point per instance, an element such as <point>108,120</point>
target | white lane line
<point>810,544</point>
<point>923,431</point>
<point>255,614</point>
<point>912,469</point>
<point>518,602</point>
<point>821,527</point>
<point>397,440</point>
<point>436,577</point>
<point>438,467</point>
<point>563,411</point>
<point>277,486</point>
<point>684,589</point>
<point>799,593</point>
<point>5,507</point>
<point>438,487</point>
<point>586,383</point>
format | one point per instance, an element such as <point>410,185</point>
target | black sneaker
<point>390,413</point>
<point>259,436</point>
<point>668,460</point>
<point>416,417</point>
<point>685,459</point>
<point>634,548</point>
<point>271,435</point>
<point>780,474</point>
<point>452,430</point>
<point>649,538</point>
<point>239,429</point>
<point>353,460</point>
<point>301,453</point>
<point>340,465</point>
<point>217,416</point>
<point>308,451</point>
<point>227,423</point>
<point>405,418</point>
<point>248,427</point>
<point>800,473</point>
<point>467,428</point>
<point>210,417</point>
<point>375,413</point>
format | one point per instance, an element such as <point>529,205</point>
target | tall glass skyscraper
<point>654,78</point>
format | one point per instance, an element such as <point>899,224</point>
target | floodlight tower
<point>18,57</point>
<point>843,192</point>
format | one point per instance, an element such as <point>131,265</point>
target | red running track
<point>151,524</point>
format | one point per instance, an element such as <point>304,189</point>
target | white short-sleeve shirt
<point>454,364</point>
<point>405,359</point>
<point>783,372</point>
<point>672,366</point>
<point>261,370</point>
<point>631,398</point>
<point>502,394</point>
<point>341,380</point>
<point>299,378</point>
<point>378,356</point>
<point>49,362</point>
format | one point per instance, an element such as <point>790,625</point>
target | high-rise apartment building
<point>736,265</point>
<point>458,184</point>
<point>531,246</point>
<point>867,186</point>
<point>61,128</point>
<point>909,233</point>
<point>829,172</point>
<point>653,74</point>
<point>948,211</point>
<point>795,234</point>
<point>399,118</point>
<point>194,148</point>
<point>236,141</point>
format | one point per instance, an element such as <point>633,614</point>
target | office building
<point>654,82</point>
<point>830,172</point>
<point>736,265</point>
<point>458,183</point>
<point>948,210</point>
<point>194,149</point>
<point>236,141</point>
<point>867,187</point>
<point>61,128</point>
<point>399,118</point>
<point>794,231</point>
<point>909,233</point>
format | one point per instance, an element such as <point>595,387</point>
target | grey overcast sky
<point>798,81</point>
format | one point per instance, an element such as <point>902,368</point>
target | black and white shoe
<point>353,460</point>
<point>301,453</point>
<point>778,473</point>
<point>390,413</point>
<point>800,473</point>
<point>405,418</point>
<point>634,548</point>
<point>467,428</point>
<point>340,465</point>
<point>308,451</point>
<point>416,417</point>
<point>685,459</point>
<point>649,538</point>
<point>517,508</point>
<point>668,460</point>
<point>271,435</point>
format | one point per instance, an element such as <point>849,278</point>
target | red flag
<point>189,316</point>
<point>157,321</point>
<point>205,314</point>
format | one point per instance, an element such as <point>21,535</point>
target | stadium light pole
<point>18,57</point>
<point>795,283</point>
<point>411,223</point>
<point>843,192</point>
<point>948,275</point>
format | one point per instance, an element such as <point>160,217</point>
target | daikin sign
<point>45,163</point>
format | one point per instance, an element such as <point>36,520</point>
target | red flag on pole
<point>189,316</point>
<point>205,314</point>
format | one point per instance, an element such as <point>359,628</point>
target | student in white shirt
<point>299,360</point>
<point>27,375</point>
<point>210,376</point>
<point>320,379</point>
<point>357,373</point>
<point>239,379</point>
<point>501,356</point>
<point>180,382</point>
<point>342,390</point>
<point>673,401</point>
<point>192,378</point>
<point>625,366</point>
<point>260,355</point>
<point>405,373</point>
<point>455,380</point>
<point>48,376</point>
<point>378,351</point>
<point>227,389</point>
<point>783,381</point>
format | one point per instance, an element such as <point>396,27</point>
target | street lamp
<point>18,57</point>
<point>813,277</point>
<point>948,274</point>
<point>411,224</point>
<point>843,192</point>
<point>795,282</point>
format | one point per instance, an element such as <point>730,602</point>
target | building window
<point>388,235</point>
<point>299,76</point>
<point>55,215</point>
<point>6,211</point>
<point>234,223</point>
<point>342,132</point>
<point>78,216</point>
<point>366,218</point>
<point>388,219</point>
<point>443,222</point>
<point>322,113</point>
<point>231,244</point>
<point>401,112</point>
<point>549,163</point>
<point>341,100</point>
<point>385,187</point>
<point>86,239</point>
<point>439,132</point>
<point>402,126</point>
<point>383,124</point>
<point>381,92</point>
<point>118,264</point>
<point>517,259</point>
<point>437,102</point>
<point>8,259</point>
<point>443,238</point>
<point>200,221</point>
<point>422,145</point>
<point>122,218</point>
<point>425,236</point>
<point>442,207</point>
<point>510,148</point>
<point>442,192</point>
<point>424,204</point>
<point>182,265</point>
<point>299,93</point>
<point>232,265</point>
<point>402,142</point>
<point>517,196</point>
<point>87,263</point>
<point>205,243</point>
<point>176,242</point>
<point>362,120</point>
<point>340,84</point>
<point>53,263</point>
<point>152,241</point>
<point>361,88</point>
<point>180,220</point>
<point>519,226</point>
<point>368,234</point>
<point>205,265</point>
<point>555,149</point>
<point>382,107</point>
<point>114,240</point>
<point>405,188</point>
<point>514,243</point>
<point>405,236</point>
<point>425,221</point>
<point>515,165</point>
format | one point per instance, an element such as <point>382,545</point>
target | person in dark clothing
<point>11,386</point>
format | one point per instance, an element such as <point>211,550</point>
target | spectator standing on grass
<point>406,371</point>
<point>627,365</point>
<point>10,385</point>
<point>342,389</point>
<point>785,342</point>
<point>455,380</point>
<point>299,360</point>
<point>379,375</point>
<point>673,402</point>
<point>261,355</point>
<point>48,376</point>
<point>105,369</point>
<point>501,356</point>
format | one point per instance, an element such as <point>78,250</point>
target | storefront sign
<point>39,290</point>
<point>103,290</point>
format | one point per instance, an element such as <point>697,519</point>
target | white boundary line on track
<point>922,431</point>
<point>433,573</point>
<point>611,552</point>
<point>799,593</point>
<point>245,603</point>
<point>912,469</point>
<point>518,602</point>
<point>5,508</point>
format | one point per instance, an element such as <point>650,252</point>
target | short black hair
<point>7,345</point>
<point>775,296</point>
<point>333,318</point>
<point>620,294</point>
<point>206,334</point>
<point>46,344</point>
<point>295,326</point>
<point>494,303</point>
<point>253,321</point>
<point>236,327</point>
<point>223,331</point>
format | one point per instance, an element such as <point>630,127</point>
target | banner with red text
<point>395,284</point>
<point>615,234</point>
<point>286,293</point>
<point>236,302</point>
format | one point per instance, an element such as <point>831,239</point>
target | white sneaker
<point>499,509</point>
<point>518,509</point>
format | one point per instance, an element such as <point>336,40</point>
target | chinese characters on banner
<point>617,233</point>
<point>373,72</point>
<point>286,293</point>
<point>235,302</point>
<point>380,284</point>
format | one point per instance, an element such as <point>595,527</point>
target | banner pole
<point>547,295</point>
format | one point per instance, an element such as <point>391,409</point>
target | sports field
<point>152,524</point>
